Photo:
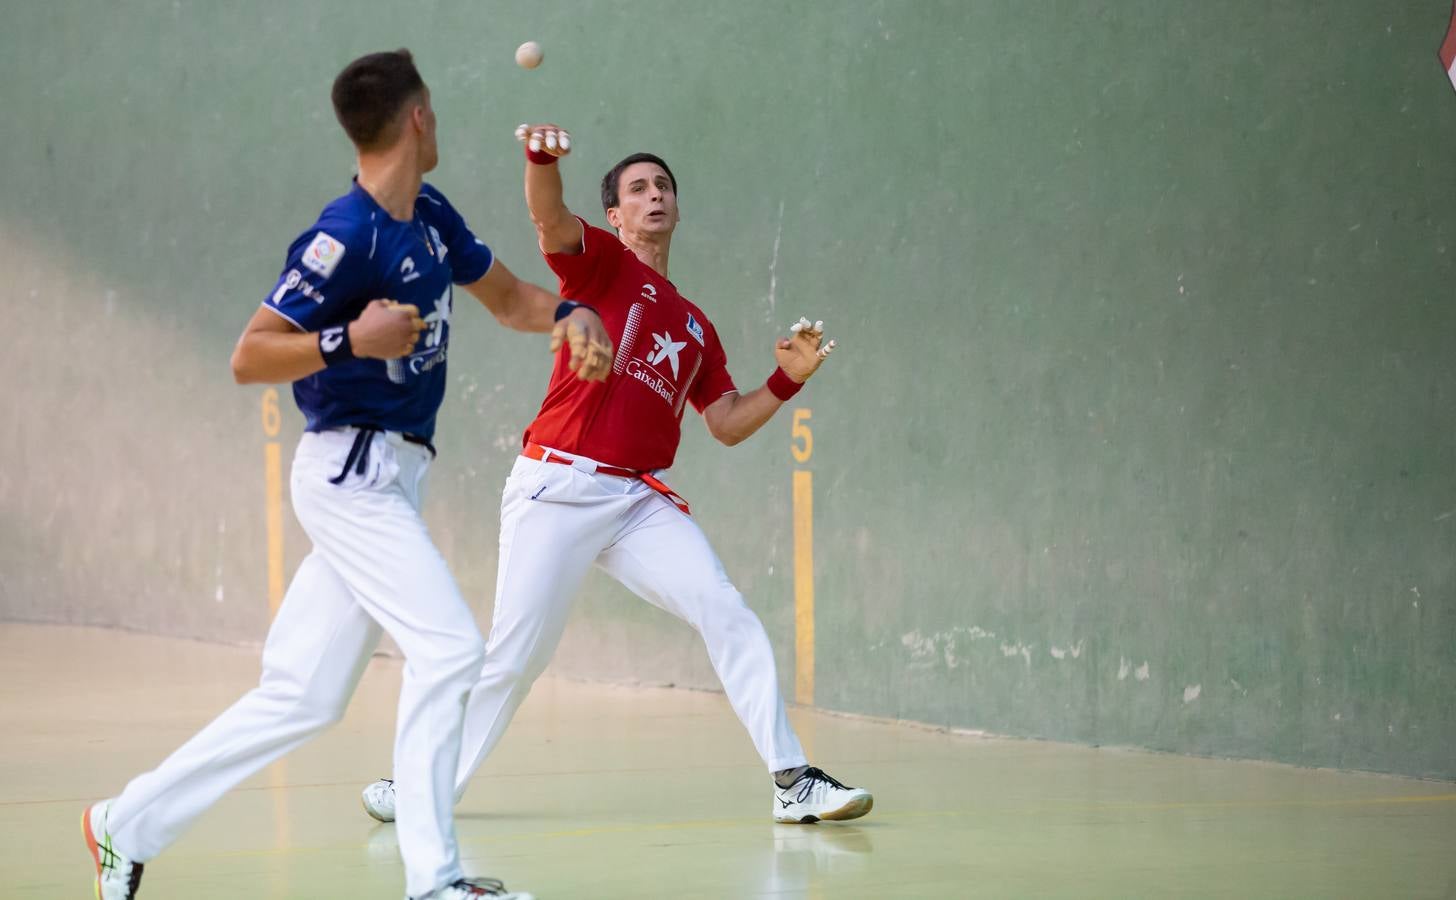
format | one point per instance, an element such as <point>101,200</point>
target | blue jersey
<point>357,253</point>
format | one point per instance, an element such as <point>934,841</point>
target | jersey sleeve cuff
<point>581,251</point>
<point>462,281</point>
<point>282,315</point>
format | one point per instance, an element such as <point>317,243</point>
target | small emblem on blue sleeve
<point>290,281</point>
<point>294,281</point>
<point>323,255</point>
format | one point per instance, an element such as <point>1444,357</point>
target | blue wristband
<point>567,307</point>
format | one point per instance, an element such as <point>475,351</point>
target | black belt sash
<point>358,458</point>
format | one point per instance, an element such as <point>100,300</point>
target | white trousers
<point>556,521</point>
<point>373,565</point>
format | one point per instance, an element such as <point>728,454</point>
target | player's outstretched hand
<point>551,139</point>
<point>803,351</point>
<point>386,330</point>
<point>590,345</point>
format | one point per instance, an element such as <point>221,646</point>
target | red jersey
<point>667,354</point>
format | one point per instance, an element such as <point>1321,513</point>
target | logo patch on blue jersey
<point>695,329</point>
<point>323,255</point>
<point>294,281</point>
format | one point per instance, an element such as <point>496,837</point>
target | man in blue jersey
<point>359,321</point>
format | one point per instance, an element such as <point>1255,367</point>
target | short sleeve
<point>468,255</point>
<point>584,274</point>
<point>713,380</point>
<point>327,277</point>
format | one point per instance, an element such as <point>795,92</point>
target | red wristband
<point>539,157</point>
<point>782,386</point>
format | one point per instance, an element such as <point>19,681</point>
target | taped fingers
<point>544,138</point>
<point>577,341</point>
<point>805,327</point>
<point>558,142</point>
<point>598,364</point>
<point>591,359</point>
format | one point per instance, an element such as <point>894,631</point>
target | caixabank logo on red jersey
<point>665,352</point>
<point>653,379</point>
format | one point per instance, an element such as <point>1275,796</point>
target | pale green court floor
<point>612,792</point>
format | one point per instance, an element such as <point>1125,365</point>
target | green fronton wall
<point>1143,426</point>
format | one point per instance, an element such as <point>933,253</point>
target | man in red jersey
<point>585,488</point>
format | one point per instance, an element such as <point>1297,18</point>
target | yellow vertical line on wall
<point>273,488</point>
<point>804,587</point>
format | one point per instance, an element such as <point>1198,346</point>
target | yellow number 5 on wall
<point>802,445</point>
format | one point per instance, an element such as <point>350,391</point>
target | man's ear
<point>614,218</point>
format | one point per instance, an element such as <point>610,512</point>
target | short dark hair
<point>610,197</point>
<point>371,91</point>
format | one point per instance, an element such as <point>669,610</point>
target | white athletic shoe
<point>474,889</point>
<point>117,878</point>
<point>817,796</point>
<point>378,800</point>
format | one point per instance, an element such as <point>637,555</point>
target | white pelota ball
<point>528,55</point>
